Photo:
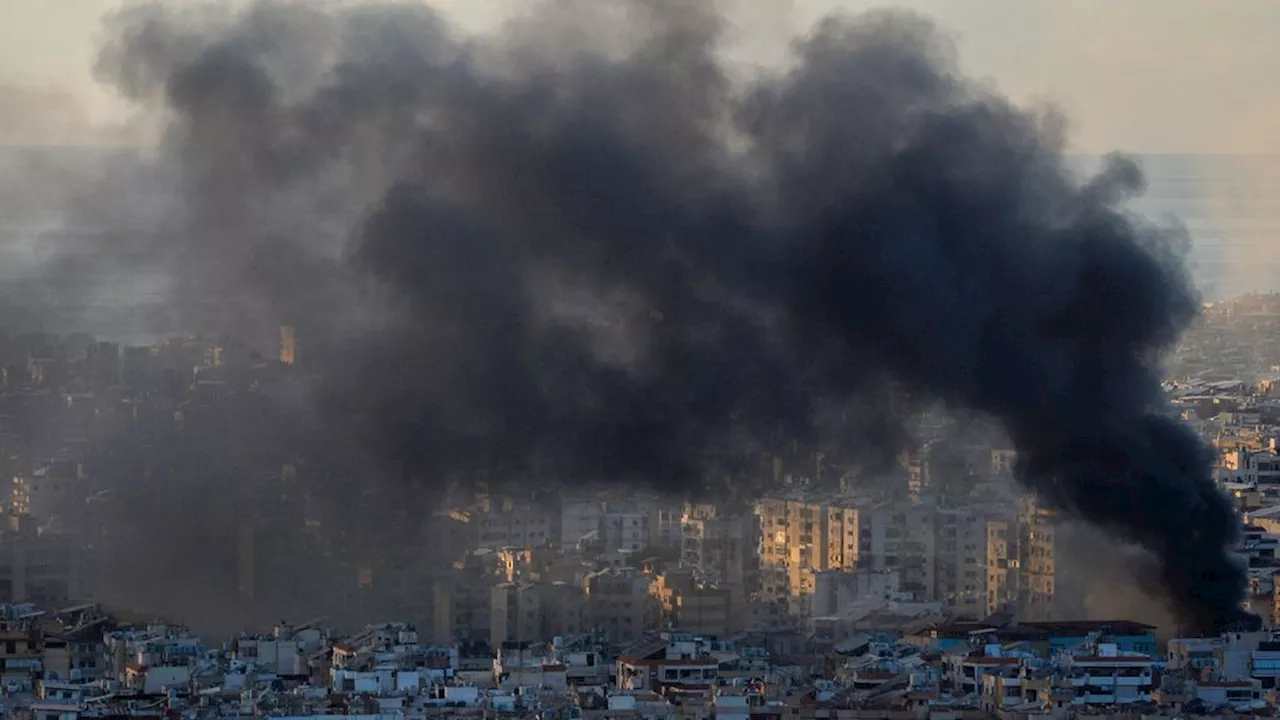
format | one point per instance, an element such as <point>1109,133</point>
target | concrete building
<point>799,538</point>
<point>1038,561</point>
<point>1106,675</point>
<point>514,616</point>
<point>516,666</point>
<point>57,488</point>
<point>620,605</point>
<point>288,345</point>
<point>564,609</point>
<point>1002,565</point>
<point>534,612</point>
<point>938,552</point>
<point>21,645</point>
<point>462,606</point>
<point>902,536</point>
<point>523,526</point>
<point>1254,467</point>
<point>624,531</point>
<point>837,590</point>
<point>151,659</point>
<point>720,548</point>
<point>580,521</point>
<point>1021,561</point>
<point>669,665</point>
<point>692,606</point>
<point>961,548</point>
<point>666,524</point>
<point>39,564</point>
<point>283,652</point>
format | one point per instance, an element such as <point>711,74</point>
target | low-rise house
<point>1105,675</point>
<point>666,664</point>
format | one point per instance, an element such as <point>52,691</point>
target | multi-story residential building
<point>939,552</point>
<point>283,652</point>
<point>1021,561</point>
<point>961,548</point>
<point>462,607</point>
<point>902,536</point>
<point>451,534</point>
<point>674,663</point>
<point>534,612</point>
<point>149,659</point>
<point>515,614</point>
<point>1002,564</point>
<point>799,538</point>
<point>836,590</point>
<point>580,521</point>
<point>564,609</point>
<point>619,604</point>
<point>1038,561</point>
<point>692,606</point>
<point>1254,467</point>
<point>39,565</point>
<point>21,646</point>
<point>522,526</point>
<point>516,563</point>
<point>666,526</point>
<point>720,548</point>
<point>704,610</point>
<point>1108,676</point>
<point>624,531</point>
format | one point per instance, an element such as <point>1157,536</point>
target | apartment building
<point>620,605</point>
<point>939,552</point>
<point>1002,564</point>
<point>580,521</point>
<point>533,612</point>
<point>38,564</point>
<point>524,526</point>
<point>902,536</point>
<point>624,531</point>
<point>1021,567</point>
<point>720,548</point>
<point>961,558</point>
<point>462,607</point>
<point>1039,559</point>
<point>799,538</point>
<point>692,606</point>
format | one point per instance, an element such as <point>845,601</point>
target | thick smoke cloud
<point>579,251</point>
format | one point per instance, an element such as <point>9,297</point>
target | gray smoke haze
<point>1102,578</point>
<point>578,250</point>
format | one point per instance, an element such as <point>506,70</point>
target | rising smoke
<point>579,250</point>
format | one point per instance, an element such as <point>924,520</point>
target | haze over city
<point>639,358</point>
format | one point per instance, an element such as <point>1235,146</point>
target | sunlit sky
<point>1173,76</point>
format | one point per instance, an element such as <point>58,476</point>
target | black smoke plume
<point>580,250</point>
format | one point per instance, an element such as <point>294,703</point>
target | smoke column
<point>577,249</point>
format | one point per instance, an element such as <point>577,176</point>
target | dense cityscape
<point>147,576</point>
<point>637,360</point>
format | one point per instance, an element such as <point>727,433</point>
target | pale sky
<point>1179,76</point>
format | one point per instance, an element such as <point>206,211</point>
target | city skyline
<point>638,358</point>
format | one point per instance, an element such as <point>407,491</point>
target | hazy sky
<point>1139,75</point>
